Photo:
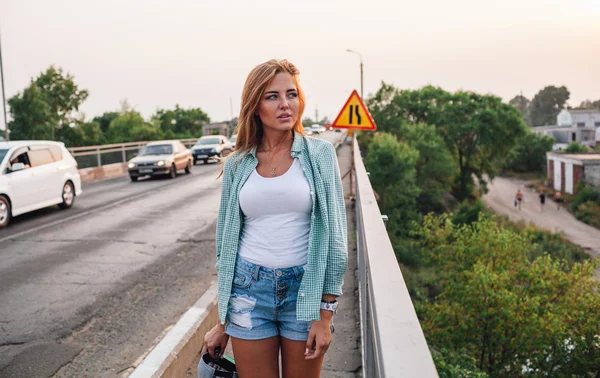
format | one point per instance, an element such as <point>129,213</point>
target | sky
<point>197,53</point>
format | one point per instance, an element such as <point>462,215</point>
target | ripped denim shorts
<point>263,303</point>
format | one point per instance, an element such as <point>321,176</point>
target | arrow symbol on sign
<point>354,109</point>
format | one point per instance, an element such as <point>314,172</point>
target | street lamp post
<point>361,70</point>
<point>354,134</point>
<point>3,93</point>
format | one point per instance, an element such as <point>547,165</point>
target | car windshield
<point>233,139</point>
<point>157,149</point>
<point>2,154</point>
<point>208,141</point>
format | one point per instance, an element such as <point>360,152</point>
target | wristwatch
<point>329,306</point>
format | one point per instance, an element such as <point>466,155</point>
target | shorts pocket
<point>242,280</point>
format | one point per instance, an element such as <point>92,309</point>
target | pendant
<point>272,172</point>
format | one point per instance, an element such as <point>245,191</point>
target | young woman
<point>281,234</point>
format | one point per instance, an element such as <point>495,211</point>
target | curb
<point>180,346</point>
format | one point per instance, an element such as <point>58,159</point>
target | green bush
<point>468,212</point>
<point>575,148</point>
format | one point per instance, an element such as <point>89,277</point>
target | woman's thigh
<point>294,365</point>
<point>256,358</point>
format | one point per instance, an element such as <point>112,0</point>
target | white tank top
<point>276,219</point>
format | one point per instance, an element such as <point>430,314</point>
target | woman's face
<point>278,106</point>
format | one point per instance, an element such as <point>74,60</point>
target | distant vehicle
<point>211,146</point>
<point>317,129</point>
<point>34,175</point>
<point>161,158</point>
<point>232,141</point>
<point>308,131</point>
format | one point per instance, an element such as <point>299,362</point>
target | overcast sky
<point>197,53</point>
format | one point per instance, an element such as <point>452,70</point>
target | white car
<point>36,174</point>
<point>211,146</point>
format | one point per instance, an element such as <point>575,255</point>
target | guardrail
<point>97,156</point>
<point>393,343</point>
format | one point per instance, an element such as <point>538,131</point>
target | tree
<point>181,123</point>
<point>121,128</point>
<point>105,119</point>
<point>522,104</point>
<point>32,117</point>
<point>61,99</point>
<point>478,130</point>
<point>516,317</point>
<point>434,167</point>
<point>588,104</point>
<point>529,154</point>
<point>547,103</point>
<point>393,175</point>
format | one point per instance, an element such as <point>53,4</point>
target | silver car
<point>161,158</point>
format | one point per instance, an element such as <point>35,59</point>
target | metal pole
<point>353,132</point>
<point>3,93</point>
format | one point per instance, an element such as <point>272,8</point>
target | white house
<point>581,126</point>
<point>566,170</point>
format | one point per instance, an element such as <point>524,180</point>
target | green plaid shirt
<point>327,246</point>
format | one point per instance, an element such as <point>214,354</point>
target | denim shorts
<point>263,303</point>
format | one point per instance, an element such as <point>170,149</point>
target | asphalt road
<point>86,291</point>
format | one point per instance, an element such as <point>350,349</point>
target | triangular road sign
<point>354,115</point>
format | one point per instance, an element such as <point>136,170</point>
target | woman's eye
<point>271,97</point>
<point>293,95</point>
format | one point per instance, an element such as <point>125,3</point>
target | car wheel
<point>5,213</point>
<point>205,161</point>
<point>173,172</point>
<point>133,178</point>
<point>195,161</point>
<point>68,196</point>
<point>188,168</point>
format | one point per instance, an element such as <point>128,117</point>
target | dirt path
<point>500,198</point>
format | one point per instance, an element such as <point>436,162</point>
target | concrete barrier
<point>180,346</point>
<point>103,172</point>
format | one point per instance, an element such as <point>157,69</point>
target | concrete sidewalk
<point>343,359</point>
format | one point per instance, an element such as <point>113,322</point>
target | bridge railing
<point>96,156</point>
<point>393,343</point>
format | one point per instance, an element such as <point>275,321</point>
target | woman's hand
<point>215,338</point>
<point>319,337</point>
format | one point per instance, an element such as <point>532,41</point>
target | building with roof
<point>581,126</point>
<point>565,171</point>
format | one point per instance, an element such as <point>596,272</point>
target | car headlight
<point>160,163</point>
<point>131,165</point>
<point>214,150</point>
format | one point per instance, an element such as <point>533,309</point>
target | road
<point>87,291</point>
<point>500,198</point>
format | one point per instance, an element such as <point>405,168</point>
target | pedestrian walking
<point>542,199</point>
<point>281,234</point>
<point>519,198</point>
<point>557,199</point>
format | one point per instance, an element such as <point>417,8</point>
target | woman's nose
<point>284,104</point>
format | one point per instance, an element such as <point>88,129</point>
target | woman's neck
<point>274,139</point>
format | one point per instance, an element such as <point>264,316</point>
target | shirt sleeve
<point>337,258</point>
<point>225,193</point>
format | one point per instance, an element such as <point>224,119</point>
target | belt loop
<point>255,273</point>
